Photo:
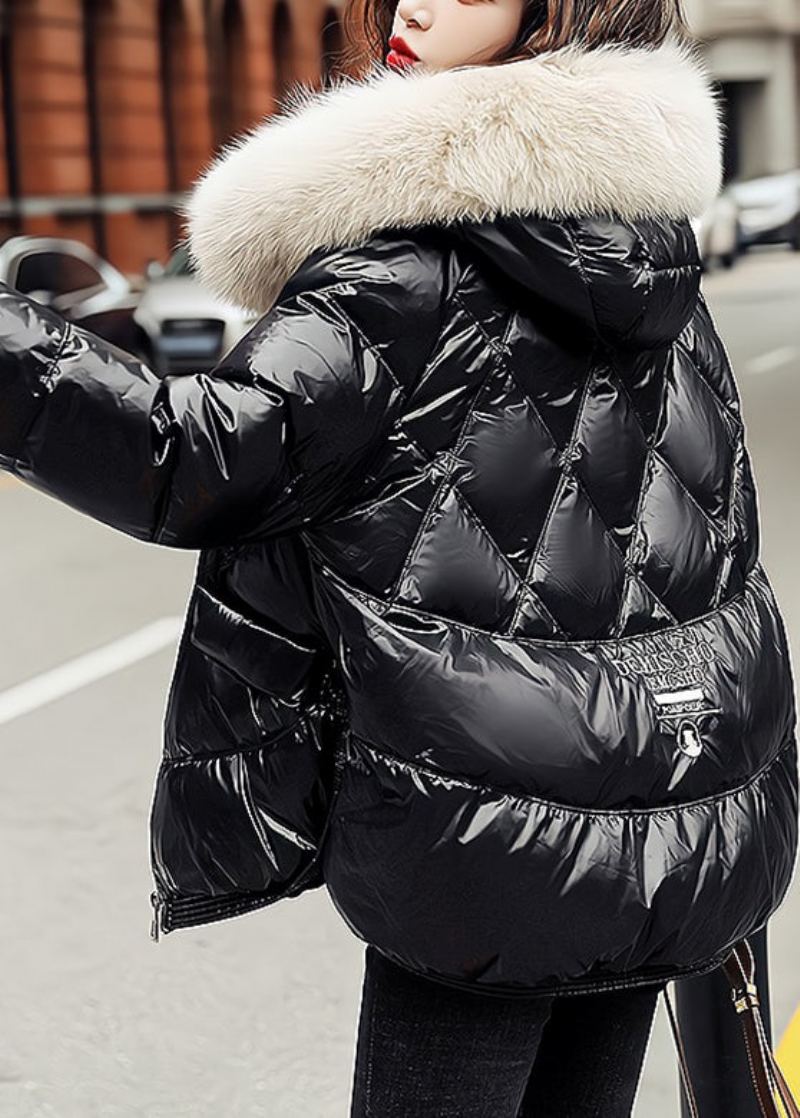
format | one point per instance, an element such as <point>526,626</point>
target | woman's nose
<point>411,12</point>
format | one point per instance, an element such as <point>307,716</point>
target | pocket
<point>658,718</point>
<point>262,658</point>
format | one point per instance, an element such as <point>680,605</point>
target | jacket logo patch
<point>689,740</point>
<point>674,668</point>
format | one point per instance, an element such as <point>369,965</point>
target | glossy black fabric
<point>425,1049</point>
<point>479,634</point>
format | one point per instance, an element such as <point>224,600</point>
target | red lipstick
<point>400,55</point>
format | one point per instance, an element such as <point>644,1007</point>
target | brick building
<point>109,108</point>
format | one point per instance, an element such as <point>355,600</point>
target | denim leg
<point>427,1050</point>
<point>591,1054</point>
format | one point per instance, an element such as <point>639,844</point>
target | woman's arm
<point>264,443</point>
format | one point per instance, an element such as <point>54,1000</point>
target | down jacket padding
<point>479,636</point>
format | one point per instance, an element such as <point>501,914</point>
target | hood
<point>631,133</point>
<point>633,283</point>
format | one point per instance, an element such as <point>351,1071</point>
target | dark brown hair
<point>546,25</point>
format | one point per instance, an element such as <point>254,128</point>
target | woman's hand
<point>31,336</point>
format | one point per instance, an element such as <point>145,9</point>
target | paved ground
<point>256,1017</point>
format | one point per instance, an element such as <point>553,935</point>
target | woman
<point>479,635</point>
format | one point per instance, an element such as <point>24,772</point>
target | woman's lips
<point>400,61</point>
<point>400,54</point>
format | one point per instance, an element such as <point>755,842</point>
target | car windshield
<point>179,263</point>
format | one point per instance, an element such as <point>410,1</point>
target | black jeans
<point>427,1050</point>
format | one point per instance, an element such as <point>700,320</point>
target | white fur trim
<point>630,131</point>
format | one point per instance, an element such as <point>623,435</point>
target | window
<point>56,272</point>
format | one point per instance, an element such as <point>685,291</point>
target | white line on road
<point>773,359</point>
<point>33,693</point>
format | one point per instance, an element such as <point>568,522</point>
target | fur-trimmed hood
<point>629,132</point>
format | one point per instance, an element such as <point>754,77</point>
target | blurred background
<point>109,109</point>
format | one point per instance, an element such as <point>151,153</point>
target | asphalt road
<point>253,1017</point>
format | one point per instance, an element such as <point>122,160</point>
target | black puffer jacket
<point>479,634</point>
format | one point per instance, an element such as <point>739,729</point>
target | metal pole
<point>712,1037</point>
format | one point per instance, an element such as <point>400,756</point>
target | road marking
<point>773,359</point>
<point>34,693</point>
<point>788,1054</point>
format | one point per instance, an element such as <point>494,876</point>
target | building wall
<point>760,77</point>
<point>109,109</point>
<point>49,106</point>
<point>753,50</point>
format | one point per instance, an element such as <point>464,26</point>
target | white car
<point>182,327</point>
<point>718,232</point>
<point>172,323</point>
<point>769,209</point>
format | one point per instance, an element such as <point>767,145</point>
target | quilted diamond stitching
<point>523,588</point>
<point>471,512</point>
<point>712,530</point>
<point>424,520</point>
<point>607,562</point>
<point>381,357</point>
<point>568,455</point>
<point>715,527</point>
<point>469,507</point>
<point>554,501</point>
<point>637,514</point>
<point>461,505</point>
<point>632,557</point>
<point>724,405</point>
<point>720,416</point>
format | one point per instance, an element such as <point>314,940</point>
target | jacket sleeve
<point>264,443</point>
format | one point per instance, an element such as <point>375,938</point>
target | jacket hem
<point>364,914</point>
<point>172,912</point>
<point>566,987</point>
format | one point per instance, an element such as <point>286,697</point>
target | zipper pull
<point>157,903</point>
